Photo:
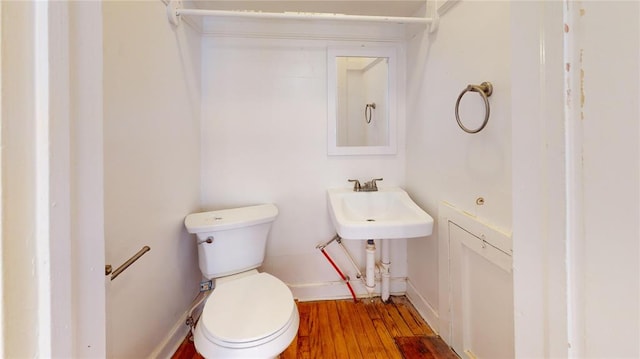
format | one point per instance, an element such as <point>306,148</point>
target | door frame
<point>71,319</point>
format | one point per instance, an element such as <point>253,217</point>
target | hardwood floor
<point>367,329</point>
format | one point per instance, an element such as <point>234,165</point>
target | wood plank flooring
<point>367,329</point>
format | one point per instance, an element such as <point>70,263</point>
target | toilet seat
<point>248,311</point>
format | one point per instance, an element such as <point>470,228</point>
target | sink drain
<point>371,220</point>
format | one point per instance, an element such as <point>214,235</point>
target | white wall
<point>539,223</point>
<point>48,162</point>
<point>264,140</point>
<point>20,295</point>
<point>576,171</point>
<point>88,334</point>
<point>443,162</point>
<point>607,67</point>
<point>575,163</point>
<point>539,185</point>
<point>151,169</point>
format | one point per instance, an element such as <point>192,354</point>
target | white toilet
<point>249,314</point>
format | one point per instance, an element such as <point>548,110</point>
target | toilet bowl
<point>252,316</point>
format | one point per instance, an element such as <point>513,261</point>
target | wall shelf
<point>175,11</point>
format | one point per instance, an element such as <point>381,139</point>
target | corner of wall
<point>423,307</point>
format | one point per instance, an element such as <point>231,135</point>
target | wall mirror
<point>361,101</point>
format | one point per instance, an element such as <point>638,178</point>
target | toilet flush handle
<point>208,240</point>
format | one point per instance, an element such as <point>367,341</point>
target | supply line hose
<point>344,278</point>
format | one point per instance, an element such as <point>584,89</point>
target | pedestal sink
<point>386,214</point>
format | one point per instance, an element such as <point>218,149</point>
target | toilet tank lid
<point>225,219</point>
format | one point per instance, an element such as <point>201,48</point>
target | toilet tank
<point>231,241</point>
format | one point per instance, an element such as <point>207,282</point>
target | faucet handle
<point>373,182</point>
<point>356,185</point>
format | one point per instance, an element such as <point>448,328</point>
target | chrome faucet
<point>356,185</point>
<point>370,186</point>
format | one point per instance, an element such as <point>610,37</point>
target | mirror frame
<point>332,118</point>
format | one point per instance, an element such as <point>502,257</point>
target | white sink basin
<point>388,213</point>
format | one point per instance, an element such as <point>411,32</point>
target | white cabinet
<point>480,287</point>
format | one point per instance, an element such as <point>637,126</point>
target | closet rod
<point>175,10</point>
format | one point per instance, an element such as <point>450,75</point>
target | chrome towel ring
<point>368,111</point>
<point>485,90</point>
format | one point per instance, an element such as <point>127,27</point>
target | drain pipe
<point>385,262</point>
<point>370,267</point>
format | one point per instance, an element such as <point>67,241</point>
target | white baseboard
<point>172,341</point>
<point>425,309</point>
<point>338,289</point>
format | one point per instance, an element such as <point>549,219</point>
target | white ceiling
<point>351,7</point>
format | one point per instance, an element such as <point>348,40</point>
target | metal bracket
<point>206,286</point>
<point>208,240</point>
<point>172,11</point>
<point>109,270</point>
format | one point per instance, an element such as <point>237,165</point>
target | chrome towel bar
<point>485,90</point>
<point>125,265</point>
